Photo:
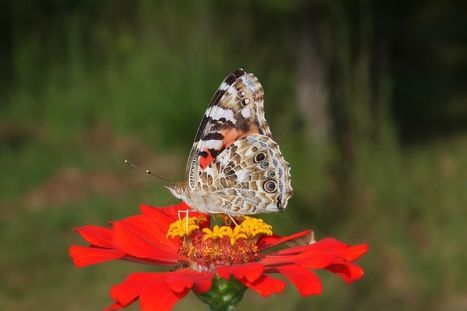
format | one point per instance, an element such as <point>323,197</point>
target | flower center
<point>205,248</point>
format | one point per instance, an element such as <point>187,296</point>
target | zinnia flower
<point>217,263</point>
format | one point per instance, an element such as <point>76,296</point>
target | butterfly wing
<point>249,177</point>
<point>236,110</point>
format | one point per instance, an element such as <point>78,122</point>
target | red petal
<point>97,236</point>
<point>333,250</point>
<point>249,272</point>
<point>168,211</point>
<point>164,216</point>
<point>187,278</point>
<point>270,241</point>
<point>349,272</point>
<point>326,244</point>
<point>306,282</point>
<point>158,291</point>
<point>251,275</point>
<point>355,252</point>
<point>85,256</point>
<point>306,258</point>
<point>317,255</point>
<point>157,214</point>
<point>140,236</point>
<point>265,285</point>
<point>159,297</point>
<point>129,290</point>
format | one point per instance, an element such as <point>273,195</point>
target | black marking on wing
<point>213,136</point>
<point>279,202</point>
<point>214,152</point>
<point>221,124</point>
<point>231,78</point>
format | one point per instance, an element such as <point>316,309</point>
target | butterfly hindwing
<point>250,176</point>
<point>236,110</point>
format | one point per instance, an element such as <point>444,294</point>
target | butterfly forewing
<point>236,110</point>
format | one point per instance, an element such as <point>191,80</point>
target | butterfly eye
<point>260,157</point>
<point>241,94</point>
<point>270,186</point>
<point>264,164</point>
<point>271,174</point>
<point>245,101</point>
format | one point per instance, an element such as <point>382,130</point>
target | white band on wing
<point>217,113</point>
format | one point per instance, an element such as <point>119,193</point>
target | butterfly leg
<point>186,212</point>
<point>233,220</point>
<point>186,217</point>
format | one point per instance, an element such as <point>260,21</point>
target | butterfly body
<point>235,167</point>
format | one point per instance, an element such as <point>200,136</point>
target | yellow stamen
<point>249,228</point>
<point>255,226</point>
<point>209,234</point>
<point>180,228</point>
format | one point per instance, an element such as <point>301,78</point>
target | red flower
<point>200,254</point>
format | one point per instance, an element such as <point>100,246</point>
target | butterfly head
<point>179,190</point>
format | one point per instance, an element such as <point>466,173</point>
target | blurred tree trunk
<point>311,88</point>
<point>355,92</point>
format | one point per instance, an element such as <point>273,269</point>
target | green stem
<point>223,295</point>
<point>225,308</point>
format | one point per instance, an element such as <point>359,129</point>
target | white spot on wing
<point>246,112</point>
<point>212,143</point>
<point>223,86</point>
<point>242,175</point>
<point>249,82</point>
<point>251,139</point>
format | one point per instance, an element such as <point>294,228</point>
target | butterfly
<point>235,167</point>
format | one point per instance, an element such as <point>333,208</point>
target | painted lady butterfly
<point>235,167</point>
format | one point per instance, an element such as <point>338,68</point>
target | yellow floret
<point>184,227</point>
<point>255,226</point>
<point>249,228</point>
<point>217,232</point>
<point>238,233</point>
<point>208,234</point>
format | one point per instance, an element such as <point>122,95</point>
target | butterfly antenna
<point>148,172</point>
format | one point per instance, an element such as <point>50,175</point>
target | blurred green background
<point>368,100</point>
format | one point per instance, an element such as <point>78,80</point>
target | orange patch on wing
<point>231,135</point>
<point>205,161</point>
